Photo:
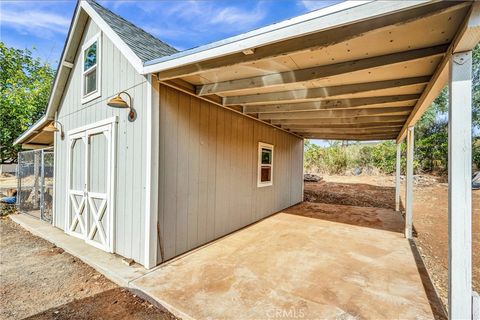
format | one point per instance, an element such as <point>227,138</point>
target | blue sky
<point>183,23</point>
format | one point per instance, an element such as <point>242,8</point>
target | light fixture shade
<point>117,102</point>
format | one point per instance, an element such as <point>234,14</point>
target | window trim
<point>263,145</point>
<point>98,67</point>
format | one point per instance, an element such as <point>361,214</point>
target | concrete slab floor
<point>313,261</point>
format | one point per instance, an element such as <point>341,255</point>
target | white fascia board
<point>35,127</point>
<point>134,60</point>
<point>321,20</point>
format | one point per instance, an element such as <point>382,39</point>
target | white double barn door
<point>90,181</point>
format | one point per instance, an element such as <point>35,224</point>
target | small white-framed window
<point>265,164</point>
<point>91,59</point>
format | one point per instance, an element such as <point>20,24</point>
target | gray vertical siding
<point>208,171</point>
<point>117,75</point>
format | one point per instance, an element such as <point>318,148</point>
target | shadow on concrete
<point>435,302</point>
<point>116,303</point>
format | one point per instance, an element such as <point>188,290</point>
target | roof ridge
<point>145,45</point>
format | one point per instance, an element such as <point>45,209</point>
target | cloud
<point>40,23</point>
<point>176,21</point>
<point>311,5</point>
<point>200,13</point>
<point>239,17</point>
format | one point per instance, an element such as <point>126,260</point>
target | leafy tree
<point>24,90</point>
<point>431,132</point>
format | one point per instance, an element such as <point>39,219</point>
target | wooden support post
<point>409,185</point>
<point>459,187</point>
<point>397,177</point>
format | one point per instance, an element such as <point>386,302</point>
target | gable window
<point>91,69</point>
<point>265,164</point>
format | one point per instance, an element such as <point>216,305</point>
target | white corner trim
<point>263,145</point>
<point>152,171</point>
<point>113,36</point>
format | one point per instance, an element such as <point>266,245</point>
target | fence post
<point>19,180</point>
<point>42,185</point>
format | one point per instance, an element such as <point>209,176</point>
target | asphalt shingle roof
<point>143,44</point>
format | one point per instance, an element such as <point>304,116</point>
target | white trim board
<point>152,172</point>
<point>92,125</point>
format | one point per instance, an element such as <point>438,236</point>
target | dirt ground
<point>430,215</point>
<point>41,281</point>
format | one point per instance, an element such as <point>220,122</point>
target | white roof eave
<point>33,129</point>
<point>341,14</point>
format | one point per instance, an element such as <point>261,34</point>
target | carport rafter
<point>403,110</point>
<point>319,72</point>
<point>345,126</point>
<point>342,120</point>
<point>351,137</point>
<point>323,92</point>
<point>347,130</point>
<point>329,37</point>
<point>384,101</point>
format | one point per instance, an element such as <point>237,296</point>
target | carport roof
<point>355,71</point>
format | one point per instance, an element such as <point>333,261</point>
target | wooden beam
<point>316,40</point>
<point>334,104</point>
<point>31,146</point>
<point>341,121</point>
<point>314,73</point>
<point>467,37</point>
<point>348,131</point>
<point>337,113</point>
<point>323,92</point>
<point>373,125</point>
<point>351,137</point>
<point>188,88</point>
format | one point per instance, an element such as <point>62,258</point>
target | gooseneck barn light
<point>118,102</point>
<point>55,129</point>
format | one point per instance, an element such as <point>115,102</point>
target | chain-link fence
<point>35,183</point>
